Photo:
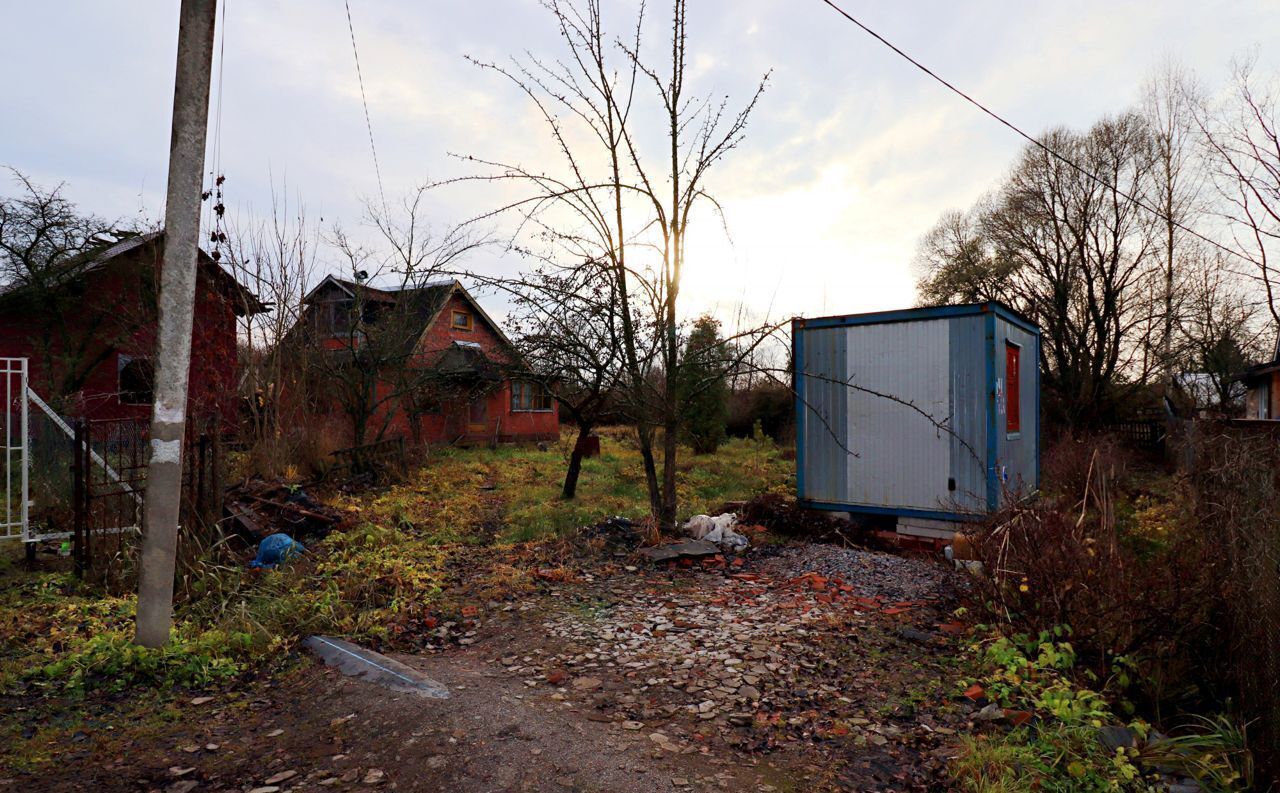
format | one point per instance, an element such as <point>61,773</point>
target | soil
<point>808,668</point>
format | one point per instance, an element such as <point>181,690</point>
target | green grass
<point>446,501</point>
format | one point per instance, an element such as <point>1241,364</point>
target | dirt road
<point>806,668</point>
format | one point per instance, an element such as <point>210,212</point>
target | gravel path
<point>872,574</point>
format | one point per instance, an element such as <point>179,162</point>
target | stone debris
<point>870,573</point>
<point>751,656</point>
<point>689,549</point>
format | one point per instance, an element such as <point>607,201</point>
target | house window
<point>1013,398</point>
<point>529,397</point>
<point>461,320</point>
<point>135,378</point>
<point>333,317</point>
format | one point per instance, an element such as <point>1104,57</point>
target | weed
<point>1212,751</point>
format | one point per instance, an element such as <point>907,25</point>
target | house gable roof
<point>461,291</point>
<point>77,267</point>
<point>430,300</point>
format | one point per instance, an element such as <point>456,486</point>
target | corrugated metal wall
<point>825,430</point>
<point>897,415</point>
<point>969,413</point>
<point>1016,455</point>
<point>900,394</point>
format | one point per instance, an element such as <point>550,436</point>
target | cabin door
<point>478,414</point>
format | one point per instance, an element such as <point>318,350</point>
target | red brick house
<point>89,332</point>
<point>466,382</point>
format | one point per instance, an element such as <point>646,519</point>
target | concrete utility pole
<point>177,298</point>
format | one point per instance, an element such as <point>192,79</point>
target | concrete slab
<point>355,661</point>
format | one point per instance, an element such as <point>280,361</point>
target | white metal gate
<point>13,518</point>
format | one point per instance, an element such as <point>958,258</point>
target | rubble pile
<point>259,508</point>
<point>750,658</point>
<point>870,573</point>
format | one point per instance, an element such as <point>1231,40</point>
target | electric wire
<point>1048,149</point>
<point>215,158</point>
<point>364,101</point>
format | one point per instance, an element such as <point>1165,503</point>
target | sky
<point>850,157</point>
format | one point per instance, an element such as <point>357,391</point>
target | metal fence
<point>13,519</point>
<point>109,477</point>
<point>83,481</point>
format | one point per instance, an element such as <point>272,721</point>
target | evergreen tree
<point>703,386</point>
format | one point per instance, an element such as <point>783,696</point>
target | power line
<point>215,150</point>
<point>216,207</point>
<point>1045,148</point>
<point>368,124</point>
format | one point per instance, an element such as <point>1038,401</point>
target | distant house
<point>1203,394</point>
<point>89,331</point>
<point>465,381</point>
<point>1262,389</point>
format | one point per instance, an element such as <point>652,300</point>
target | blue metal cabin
<point>928,414</point>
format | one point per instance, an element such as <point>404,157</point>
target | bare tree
<point>611,195</point>
<point>1220,329</point>
<point>956,263</point>
<point>566,322</point>
<point>275,259</point>
<point>1084,256</point>
<point>45,244</point>
<point>1243,141</point>
<point>1170,98</point>
<point>1070,250</point>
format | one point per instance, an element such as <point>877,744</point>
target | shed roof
<point>97,259</point>
<point>923,313</point>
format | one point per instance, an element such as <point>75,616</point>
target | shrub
<point>1035,674</point>
<point>1056,745</point>
<point>1145,584</point>
<point>1234,486</point>
<point>769,406</point>
<point>1063,560</point>
<point>113,662</point>
<point>1073,463</point>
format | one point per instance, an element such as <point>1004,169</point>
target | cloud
<point>851,155</point>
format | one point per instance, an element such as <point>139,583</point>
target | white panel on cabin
<point>900,374</point>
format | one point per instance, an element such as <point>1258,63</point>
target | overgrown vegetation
<point>1107,602</point>
<point>1059,712</point>
<point>470,526</point>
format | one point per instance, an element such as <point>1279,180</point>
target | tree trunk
<point>645,434</point>
<point>671,436</point>
<point>570,488</point>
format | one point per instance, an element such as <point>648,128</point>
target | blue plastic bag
<point>276,549</point>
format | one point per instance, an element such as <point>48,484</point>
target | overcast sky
<point>850,158</point>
